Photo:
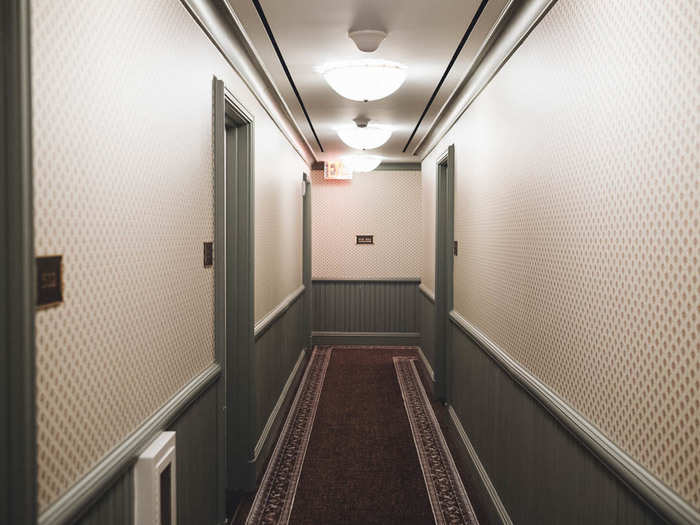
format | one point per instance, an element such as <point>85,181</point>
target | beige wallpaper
<point>385,204</point>
<point>577,183</point>
<point>122,94</point>
<point>428,203</point>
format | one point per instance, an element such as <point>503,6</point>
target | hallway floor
<point>361,444</point>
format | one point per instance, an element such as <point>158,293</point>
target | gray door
<point>444,242</point>
<point>234,278</point>
<point>306,259</point>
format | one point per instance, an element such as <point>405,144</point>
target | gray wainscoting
<point>197,464</point>
<point>381,312</point>
<point>279,362</point>
<point>197,461</point>
<point>542,473</point>
<point>116,506</point>
<point>280,358</point>
<point>427,324</point>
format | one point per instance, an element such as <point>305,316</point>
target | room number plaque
<point>49,286</point>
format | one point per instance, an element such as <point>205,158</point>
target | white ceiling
<point>423,35</point>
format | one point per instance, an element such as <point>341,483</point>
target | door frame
<point>234,230</point>
<point>18,502</point>
<point>444,269</point>
<point>306,259</point>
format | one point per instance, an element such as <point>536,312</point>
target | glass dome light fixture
<point>364,80</point>
<point>363,135</point>
<point>362,163</point>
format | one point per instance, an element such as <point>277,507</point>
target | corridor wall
<point>122,110</point>
<point>577,216</point>
<point>366,293</point>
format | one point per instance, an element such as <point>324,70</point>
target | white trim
<point>485,479</point>
<point>275,411</point>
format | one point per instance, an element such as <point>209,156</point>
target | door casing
<point>234,284</point>
<point>444,273</point>
<point>306,259</point>
<point>18,471</point>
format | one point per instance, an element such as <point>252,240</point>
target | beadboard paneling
<point>365,306</point>
<point>541,472</point>
<point>197,462</point>
<point>276,352</point>
<point>427,327</point>
<point>116,507</point>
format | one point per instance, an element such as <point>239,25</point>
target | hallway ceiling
<point>422,35</point>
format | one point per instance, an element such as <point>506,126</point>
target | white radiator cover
<point>147,481</point>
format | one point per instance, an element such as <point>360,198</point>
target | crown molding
<point>219,22</point>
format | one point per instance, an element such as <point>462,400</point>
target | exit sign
<point>336,171</point>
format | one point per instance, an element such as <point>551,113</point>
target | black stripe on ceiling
<point>468,32</point>
<point>263,19</point>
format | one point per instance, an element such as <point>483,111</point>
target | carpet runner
<point>361,444</point>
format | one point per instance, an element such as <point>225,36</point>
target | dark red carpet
<point>361,464</point>
<point>361,444</point>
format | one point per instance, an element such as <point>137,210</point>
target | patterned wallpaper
<point>577,184</point>
<point>385,204</point>
<point>124,190</point>
<point>428,205</point>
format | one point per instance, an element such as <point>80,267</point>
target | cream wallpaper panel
<point>577,183</point>
<point>428,203</point>
<point>122,95</point>
<point>385,204</point>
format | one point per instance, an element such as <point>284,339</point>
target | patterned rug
<point>448,498</point>
<point>275,497</point>
<point>361,460</point>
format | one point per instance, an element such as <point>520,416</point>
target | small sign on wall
<point>208,254</point>
<point>49,289</point>
<point>364,239</point>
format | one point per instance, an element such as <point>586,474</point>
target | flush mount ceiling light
<point>362,163</point>
<point>363,135</point>
<point>364,80</point>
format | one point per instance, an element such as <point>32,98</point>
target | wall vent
<point>155,482</point>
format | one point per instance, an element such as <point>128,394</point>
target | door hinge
<point>454,248</point>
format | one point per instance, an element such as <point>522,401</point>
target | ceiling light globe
<point>362,163</point>
<point>368,137</point>
<point>364,80</point>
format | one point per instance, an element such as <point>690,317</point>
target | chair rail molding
<point>106,472</point>
<point>428,294</point>
<point>647,486</point>
<point>278,311</point>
